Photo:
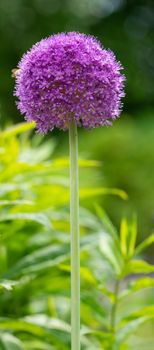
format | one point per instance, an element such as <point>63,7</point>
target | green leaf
<point>138,266</point>
<point>39,218</point>
<point>38,344</point>
<point>17,129</point>
<point>6,188</point>
<point>145,244</point>
<point>100,334</point>
<point>44,151</point>
<point>89,220</point>
<point>129,324</point>
<point>49,323</point>
<point>90,301</point>
<point>107,293</point>
<point>21,325</point>
<point>110,252</point>
<point>15,202</point>
<point>40,327</point>
<point>132,236</point>
<point>39,260</point>
<point>124,236</point>
<point>88,192</point>
<point>106,221</point>
<point>9,342</point>
<point>128,329</point>
<point>139,284</point>
<point>146,311</point>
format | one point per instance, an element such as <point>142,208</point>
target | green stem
<point>114,307</point>
<point>75,238</point>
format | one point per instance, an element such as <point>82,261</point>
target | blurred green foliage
<point>125,154</point>
<point>127,27</point>
<point>116,284</point>
<point>117,307</point>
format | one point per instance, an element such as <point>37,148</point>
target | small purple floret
<point>69,76</point>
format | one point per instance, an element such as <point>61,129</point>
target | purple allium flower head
<point>69,75</point>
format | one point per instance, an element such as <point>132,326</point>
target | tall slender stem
<point>75,238</point>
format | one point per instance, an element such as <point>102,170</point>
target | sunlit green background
<point>125,150</point>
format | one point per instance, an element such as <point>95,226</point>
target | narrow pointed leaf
<point>132,236</point>
<point>124,236</point>
<point>145,244</point>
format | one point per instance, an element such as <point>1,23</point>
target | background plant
<point>117,299</point>
<point>126,151</point>
<point>124,154</point>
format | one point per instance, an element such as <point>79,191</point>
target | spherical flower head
<point>69,75</point>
